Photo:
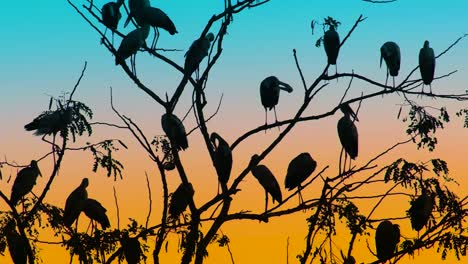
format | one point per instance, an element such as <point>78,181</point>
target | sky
<point>45,44</point>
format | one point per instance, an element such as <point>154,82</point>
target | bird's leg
<point>350,161</point>
<point>386,80</point>
<point>157,38</point>
<point>266,201</point>
<point>336,71</point>
<point>266,119</point>
<point>134,64</point>
<point>345,162</point>
<point>276,117</point>
<point>341,161</point>
<point>102,39</point>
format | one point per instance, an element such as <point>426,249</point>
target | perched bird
<point>75,203</point>
<point>427,64</point>
<point>130,45</point>
<point>421,210</point>
<point>180,199</point>
<point>222,158</point>
<point>331,43</point>
<point>136,10</point>
<point>268,181</point>
<point>24,182</point>
<point>348,133</point>
<point>387,238</point>
<point>95,211</point>
<point>175,131</point>
<point>390,52</point>
<point>299,169</point>
<point>111,16</point>
<point>16,245</point>
<point>269,93</point>
<point>156,18</point>
<point>131,249</point>
<point>50,122</point>
<point>196,53</point>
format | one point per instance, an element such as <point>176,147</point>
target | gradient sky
<point>45,43</point>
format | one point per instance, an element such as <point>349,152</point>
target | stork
<point>387,238</point>
<point>24,182</point>
<point>222,158</point>
<point>269,93</point>
<point>156,18</point>
<point>196,53</point>
<point>268,181</point>
<point>95,211</point>
<point>75,203</point>
<point>331,43</point>
<point>299,169</point>
<point>348,134</point>
<point>130,45</point>
<point>427,65</point>
<point>180,199</point>
<point>390,52</point>
<point>136,9</point>
<point>111,16</point>
<point>175,131</point>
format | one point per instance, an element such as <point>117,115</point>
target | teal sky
<point>46,42</point>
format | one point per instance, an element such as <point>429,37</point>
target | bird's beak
<point>38,170</point>
<point>285,87</point>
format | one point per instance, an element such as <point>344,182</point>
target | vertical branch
<point>117,207</point>
<point>150,200</point>
<point>162,230</point>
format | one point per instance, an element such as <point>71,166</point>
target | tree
<point>198,224</point>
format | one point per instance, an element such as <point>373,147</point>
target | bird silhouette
<point>75,203</point>
<point>222,158</point>
<point>299,169</point>
<point>95,211</point>
<point>175,131</point>
<point>156,18</point>
<point>331,43</point>
<point>131,249</point>
<point>180,199</point>
<point>130,45</point>
<point>421,210</point>
<point>50,122</point>
<point>136,11</point>
<point>268,181</point>
<point>269,93</point>
<point>348,134</point>
<point>427,64</point>
<point>390,52</point>
<point>111,16</point>
<point>16,245</point>
<point>387,238</point>
<point>24,182</point>
<point>196,53</point>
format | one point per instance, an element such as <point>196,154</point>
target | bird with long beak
<point>24,182</point>
<point>427,64</point>
<point>269,94</point>
<point>331,43</point>
<point>111,16</point>
<point>390,53</point>
<point>348,134</point>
